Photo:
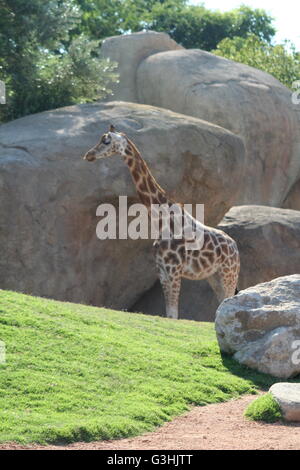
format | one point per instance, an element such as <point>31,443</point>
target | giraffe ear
<point>112,128</point>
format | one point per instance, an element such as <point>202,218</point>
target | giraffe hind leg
<point>223,287</point>
<point>216,283</point>
<point>169,269</point>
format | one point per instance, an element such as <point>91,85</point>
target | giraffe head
<point>111,143</point>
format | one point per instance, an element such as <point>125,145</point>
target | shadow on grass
<point>259,379</point>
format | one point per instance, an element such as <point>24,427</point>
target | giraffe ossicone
<point>215,259</point>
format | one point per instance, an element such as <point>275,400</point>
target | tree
<point>41,64</point>
<point>103,18</point>
<point>49,48</point>
<point>197,27</point>
<point>255,21</point>
<point>282,61</point>
<point>191,26</point>
<point>100,18</point>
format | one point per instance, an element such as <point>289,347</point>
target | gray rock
<point>260,326</point>
<point>292,201</point>
<point>269,243</point>
<point>249,102</point>
<point>49,196</point>
<point>129,51</point>
<point>268,239</point>
<point>287,396</point>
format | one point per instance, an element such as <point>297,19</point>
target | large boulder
<point>292,201</point>
<point>268,239</point>
<point>49,196</point>
<point>287,396</point>
<point>128,51</point>
<point>249,102</point>
<point>260,326</point>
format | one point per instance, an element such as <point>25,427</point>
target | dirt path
<point>219,426</point>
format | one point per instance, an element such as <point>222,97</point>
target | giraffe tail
<point>236,291</point>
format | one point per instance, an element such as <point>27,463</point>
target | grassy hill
<point>75,372</point>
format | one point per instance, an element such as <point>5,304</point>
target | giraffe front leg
<point>169,268</point>
<point>171,289</point>
<point>170,279</point>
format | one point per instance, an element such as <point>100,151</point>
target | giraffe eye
<point>106,140</point>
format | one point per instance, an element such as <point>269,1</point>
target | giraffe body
<point>217,258</point>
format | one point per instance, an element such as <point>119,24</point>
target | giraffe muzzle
<point>90,157</point>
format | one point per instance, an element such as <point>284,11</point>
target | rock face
<point>247,101</point>
<point>292,201</point>
<point>288,397</point>
<point>129,51</point>
<point>268,239</point>
<point>269,243</point>
<point>49,196</point>
<point>260,327</point>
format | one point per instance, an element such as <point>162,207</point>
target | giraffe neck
<point>147,188</point>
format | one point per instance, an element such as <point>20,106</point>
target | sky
<point>286,14</point>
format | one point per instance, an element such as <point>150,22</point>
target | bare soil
<point>218,426</point>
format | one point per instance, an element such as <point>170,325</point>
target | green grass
<point>264,408</point>
<point>75,372</point>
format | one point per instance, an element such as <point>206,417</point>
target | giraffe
<point>217,260</point>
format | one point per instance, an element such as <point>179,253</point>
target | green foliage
<point>42,66</point>
<point>246,20</point>
<point>73,77</point>
<point>76,372</point>
<point>282,61</point>
<point>197,27</point>
<point>49,48</point>
<point>191,26</point>
<point>264,408</point>
<point>102,18</point>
